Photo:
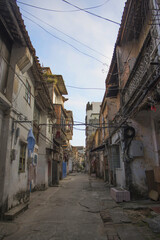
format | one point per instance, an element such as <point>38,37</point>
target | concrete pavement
<point>80,208</point>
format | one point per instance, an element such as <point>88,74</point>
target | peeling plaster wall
<point>1,167</point>
<point>101,164</point>
<point>127,53</point>
<point>120,172</point>
<point>145,132</point>
<point>18,182</point>
<point>18,97</point>
<point>14,185</point>
<point>42,167</point>
<point>138,175</point>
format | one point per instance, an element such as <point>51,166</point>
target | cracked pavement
<point>80,208</point>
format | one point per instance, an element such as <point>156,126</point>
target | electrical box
<point>136,149</point>
<point>13,154</point>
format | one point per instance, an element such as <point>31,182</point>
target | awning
<point>112,91</point>
<point>99,148</point>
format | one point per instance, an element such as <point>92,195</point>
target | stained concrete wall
<point>11,181</point>
<point>127,53</point>
<point>42,167</point>
<point>120,172</point>
<point>95,110</point>
<point>144,124</point>
<point>70,165</point>
<point>101,160</point>
<point>19,181</point>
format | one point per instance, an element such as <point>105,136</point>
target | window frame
<point>28,93</point>
<point>22,157</point>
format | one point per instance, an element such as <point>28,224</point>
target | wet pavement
<point>80,208</point>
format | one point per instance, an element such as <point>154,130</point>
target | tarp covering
<point>31,141</point>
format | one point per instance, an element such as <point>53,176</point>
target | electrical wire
<point>75,40</point>
<point>125,61</point>
<point>96,59</point>
<point>82,88</point>
<point>68,36</point>
<point>79,129</point>
<point>78,8</point>
<point>78,123</point>
<point>72,38</point>
<point>44,138</point>
<point>24,84</point>
<point>96,125</point>
<point>114,88</point>
<point>132,112</point>
<point>61,11</point>
<point>93,14</point>
<point>16,74</point>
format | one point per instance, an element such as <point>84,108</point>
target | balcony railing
<point>141,76</point>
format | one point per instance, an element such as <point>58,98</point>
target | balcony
<point>141,78</point>
<point>60,136</point>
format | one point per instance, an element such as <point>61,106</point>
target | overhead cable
<point>85,88</point>
<point>61,11</point>
<point>65,34</point>
<point>106,19</point>
<point>96,59</point>
<point>79,129</point>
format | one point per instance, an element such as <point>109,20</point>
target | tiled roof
<point>13,21</point>
<point>113,61</point>
<point>14,24</point>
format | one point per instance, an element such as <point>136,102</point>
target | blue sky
<point>78,70</point>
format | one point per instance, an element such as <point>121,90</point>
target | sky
<point>82,66</point>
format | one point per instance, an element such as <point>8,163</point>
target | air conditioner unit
<point>136,149</point>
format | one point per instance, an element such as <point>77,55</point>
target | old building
<point>78,158</point>
<point>96,161</point>
<point>92,123</point>
<point>130,109</point>
<point>62,127</point>
<point>32,115</point>
<point>20,70</point>
<point>44,118</point>
<point>67,148</point>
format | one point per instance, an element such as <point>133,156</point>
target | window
<point>28,93</point>
<point>22,157</point>
<point>49,126</point>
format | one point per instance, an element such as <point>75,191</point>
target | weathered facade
<point>62,128</point>
<point>92,123</point>
<point>130,109</point>
<point>77,157</point>
<point>28,103</point>
<point>19,71</point>
<point>44,117</point>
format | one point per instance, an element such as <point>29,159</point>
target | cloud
<point>76,68</point>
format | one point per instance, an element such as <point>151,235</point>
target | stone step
<point>14,212</point>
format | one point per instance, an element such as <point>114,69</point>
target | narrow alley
<point>80,120</point>
<point>80,208</point>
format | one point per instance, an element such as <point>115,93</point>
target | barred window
<point>28,93</point>
<point>22,157</point>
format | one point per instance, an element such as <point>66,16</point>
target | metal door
<point>54,172</point>
<point>64,173</point>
